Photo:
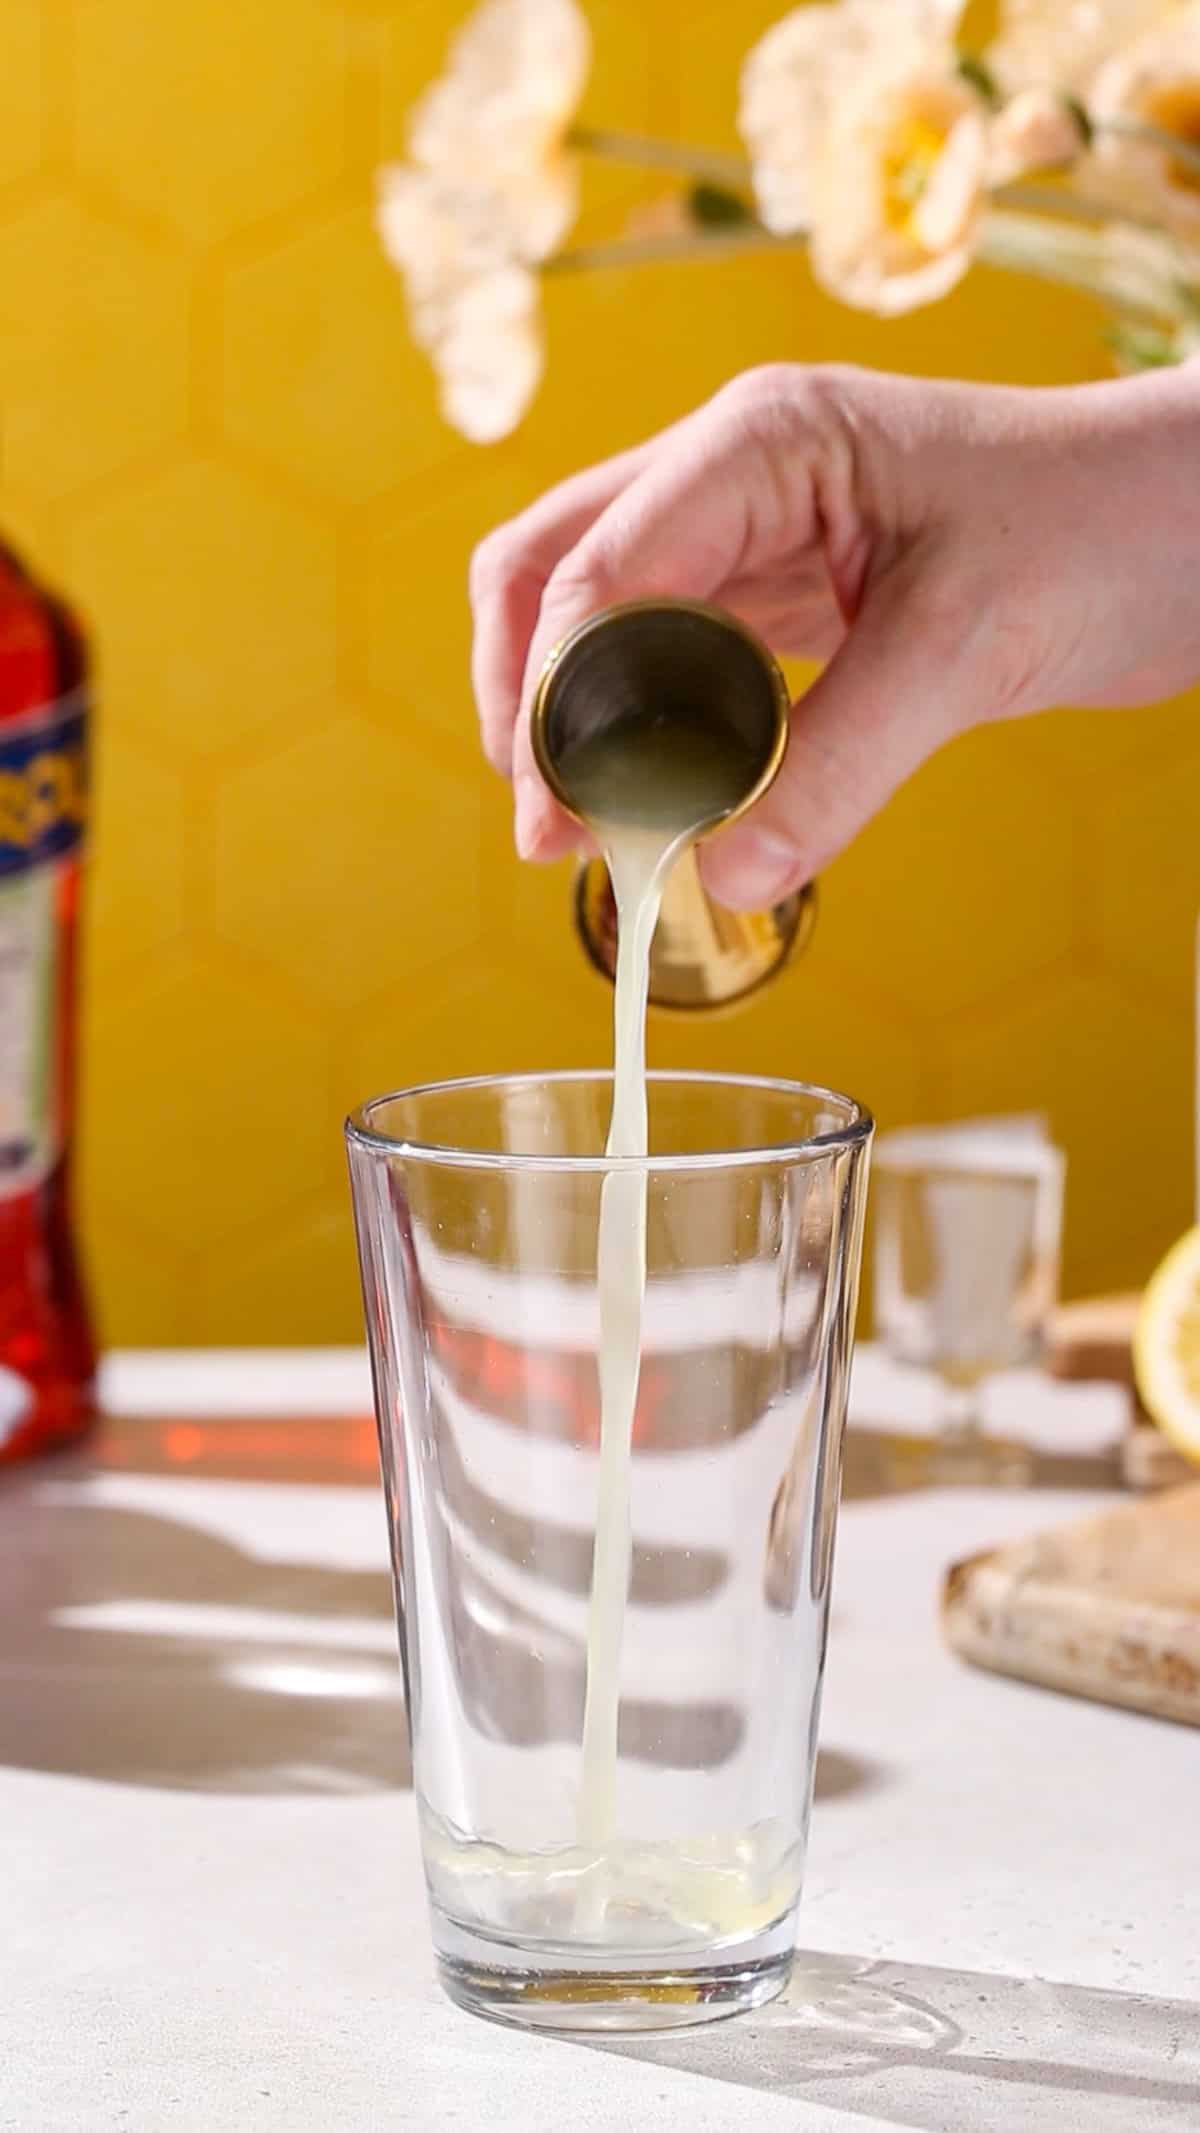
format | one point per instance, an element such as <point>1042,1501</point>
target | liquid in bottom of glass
<point>479,1271</point>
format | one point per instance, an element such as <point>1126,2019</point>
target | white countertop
<point>213,1916</point>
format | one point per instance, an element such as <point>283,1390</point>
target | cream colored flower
<point>799,73</point>
<point>1154,83</point>
<point>787,91</point>
<point>861,130</point>
<point>897,193</point>
<point>1038,129</point>
<point>472,306</point>
<point>501,114</point>
<point>492,189</point>
<point>491,355</point>
<point>1059,44</point>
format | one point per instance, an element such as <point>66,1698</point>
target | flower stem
<point>1044,201</point>
<point>1150,136</point>
<point>716,243</point>
<point>1004,243</point>
<point>1076,258</point>
<point>653,154</point>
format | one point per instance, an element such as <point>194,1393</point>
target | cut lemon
<point>1166,1346</point>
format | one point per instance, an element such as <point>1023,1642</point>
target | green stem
<point>647,251</point>
<point>1060,204</point>
<point>1150,136</point>
<point>1062,272</point>
<point>1069,258</point>
<point>1048,236</point>
<point>651,154</point>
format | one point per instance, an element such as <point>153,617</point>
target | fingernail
<point>758,866</point>
<point>528,825</point>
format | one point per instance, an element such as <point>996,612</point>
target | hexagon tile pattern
<point>216,434</point>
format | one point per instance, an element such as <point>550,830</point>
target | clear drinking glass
<point>663,1890</point>
<point>967,1226</point>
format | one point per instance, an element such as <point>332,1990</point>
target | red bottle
<point>47,1361</point>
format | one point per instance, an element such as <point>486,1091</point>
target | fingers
<point>508,576</point>
<point>898,688</point>
<point>685,526</point>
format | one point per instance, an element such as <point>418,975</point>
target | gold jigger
<point>632,662</point>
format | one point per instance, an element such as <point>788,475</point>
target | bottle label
<point>43,784</point>
<point>43,807</point>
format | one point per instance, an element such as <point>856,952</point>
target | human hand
<point>955,553</point>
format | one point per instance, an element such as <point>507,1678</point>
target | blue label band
<point>43,785</point>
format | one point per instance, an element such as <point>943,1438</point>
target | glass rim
<point>855,1133</point>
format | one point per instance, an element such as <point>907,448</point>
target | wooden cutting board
<point>1107,1608</point>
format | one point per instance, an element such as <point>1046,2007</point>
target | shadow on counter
<point>148,1649</point>
<point>913,2045</point>
<point>151,1650</point>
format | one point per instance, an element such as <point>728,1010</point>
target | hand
<point>955,553</point>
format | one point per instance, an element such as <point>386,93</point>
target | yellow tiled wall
<point>216,434</point>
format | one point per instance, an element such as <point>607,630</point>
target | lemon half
<point>1166,1346</point>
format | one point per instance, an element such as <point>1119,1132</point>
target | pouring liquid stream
<point>646,790</point>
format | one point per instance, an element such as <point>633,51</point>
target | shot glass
<point>613,1794</point>
<point>967,1225</point>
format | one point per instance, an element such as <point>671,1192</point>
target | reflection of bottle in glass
<point>46,1357</point>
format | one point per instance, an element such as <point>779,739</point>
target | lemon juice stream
<point>646,792</point>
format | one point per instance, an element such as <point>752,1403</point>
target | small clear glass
<point>477,1207</point>
<point>967,1224</point>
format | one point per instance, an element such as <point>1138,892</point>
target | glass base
<point>970,1459</point>
<point>558,1991</point>
<point>962,1459</point>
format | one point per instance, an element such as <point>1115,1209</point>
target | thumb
<point>892,694</point>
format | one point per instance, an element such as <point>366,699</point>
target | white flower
<point>788,87</point>
<point>861,129</point>
<point>491,356</point>
<point>897,194</point>
<point>1037,130</point>
<point>1059,44</point>
<point>501,114</point>
<point>491,190</point>
<point>472,306</point>
<point>797,75</point>
<point>1155,82</point>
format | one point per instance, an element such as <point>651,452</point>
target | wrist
<point>1129,453</point>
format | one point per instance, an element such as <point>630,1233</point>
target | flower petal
<point>950,201</point>
<point>440,235</point>
<point>800,74</point>
<point>786,86</point>
<point>1035,131</point>
<point>1059,44</point>
<point>1155,81</point>
<point>893,225</point>
<point>472,306</point>
<point>490,356</point>
<point>514,78</point>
